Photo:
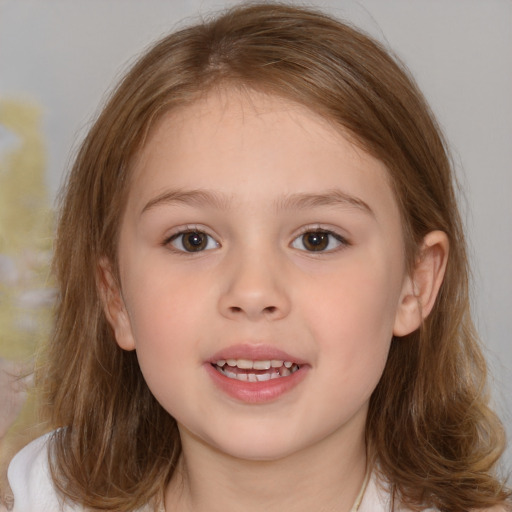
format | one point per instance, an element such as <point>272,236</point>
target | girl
<point>263,289</point>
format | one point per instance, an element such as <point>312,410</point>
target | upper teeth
<point>255,371</point>
<point>248,364</point>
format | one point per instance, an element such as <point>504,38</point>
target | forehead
<point>231,137</point>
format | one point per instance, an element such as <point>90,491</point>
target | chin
<point>269,446</point>
<point>257,452</point>
<point>262,444</point>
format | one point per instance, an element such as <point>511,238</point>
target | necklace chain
<point>355,507</point>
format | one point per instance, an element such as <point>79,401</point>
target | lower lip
<point>256,392</point>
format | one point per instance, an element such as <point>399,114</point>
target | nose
<point>254,290</point>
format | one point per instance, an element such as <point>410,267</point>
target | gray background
<point>65,54</point>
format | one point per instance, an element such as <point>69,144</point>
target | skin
<point>256,284</point>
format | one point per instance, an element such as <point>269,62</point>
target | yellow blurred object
<point>26,296</point>
<point>26,292</point>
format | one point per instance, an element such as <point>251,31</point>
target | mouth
<point>256,373</point>
<point>247,370</point>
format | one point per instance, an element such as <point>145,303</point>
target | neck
<point>325,477</point>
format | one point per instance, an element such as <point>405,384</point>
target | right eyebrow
<point>198,197</point>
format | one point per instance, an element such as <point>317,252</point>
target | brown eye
<point>193,241</point>
<point>318,241</point>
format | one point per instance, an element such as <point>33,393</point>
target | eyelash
<point>327,236</point>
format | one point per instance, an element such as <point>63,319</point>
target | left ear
<point>420,290</point>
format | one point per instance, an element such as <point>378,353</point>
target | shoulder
<point>30,480</point>
<point>377,498</point>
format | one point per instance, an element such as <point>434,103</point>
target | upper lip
<point>255,352</point>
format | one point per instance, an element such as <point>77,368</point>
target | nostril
<point>269,309</point>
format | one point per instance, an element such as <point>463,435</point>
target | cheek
<point>352,318</point>
<point>166,314</point>
<point>360,298</point>
<point>161,300</point>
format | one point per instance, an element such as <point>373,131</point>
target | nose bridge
<point>254,285</point>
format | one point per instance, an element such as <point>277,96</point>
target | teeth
<point>278,369</point>
<point>262,365</point>
<point>247,364</point>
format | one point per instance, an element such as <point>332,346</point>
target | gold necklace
<point>360,496</point>
<point>355,506</point>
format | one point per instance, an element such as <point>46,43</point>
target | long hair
<point>429,427</point>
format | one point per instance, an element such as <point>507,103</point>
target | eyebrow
<point>195,197</point>
<point>332,197</point>
<point>299,201</point>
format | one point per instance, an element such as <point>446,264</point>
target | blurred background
<point>59,57</point>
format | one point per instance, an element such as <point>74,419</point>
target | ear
<point>420,290</point>
<point>113,305</point>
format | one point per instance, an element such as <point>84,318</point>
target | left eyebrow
<point>333,197</point>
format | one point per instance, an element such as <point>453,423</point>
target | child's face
<point>292,251</point>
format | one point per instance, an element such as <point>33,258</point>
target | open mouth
<point>255,370</point>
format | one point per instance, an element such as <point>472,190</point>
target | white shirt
<point>33,489</point>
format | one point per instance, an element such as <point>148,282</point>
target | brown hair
<point>429,425</point>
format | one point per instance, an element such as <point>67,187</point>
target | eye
<point>318,241</point>
<point>192,241</point>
